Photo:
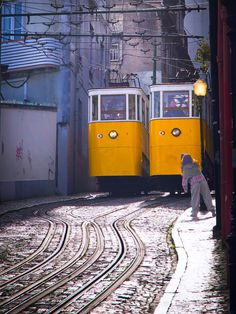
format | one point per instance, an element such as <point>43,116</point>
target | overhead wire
<point>88,21</point>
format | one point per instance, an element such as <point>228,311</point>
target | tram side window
<point>143,112</point>
<point>176,104</point>
<point>113,107</point>
<point>147,115</point>
<point>138,108</point>
<point>94,108</point>
<point>156,105</point>
<point>195,107</point>
<point>131,107</point>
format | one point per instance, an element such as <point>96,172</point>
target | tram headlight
<point>176,132</point>
<point>113,134</point>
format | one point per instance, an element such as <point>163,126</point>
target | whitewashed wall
<point>28,148</point>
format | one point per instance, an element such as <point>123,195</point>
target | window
<point>176,104</point>
<point>131,107</point>
<point>94,108</point>
<point>143,112</point>
<point>138,111</point>
<point>12,24</point>
<point>115,52</point>
<point>113,107</point>
<point>156,105</point>
<point>147,116</point>
<point>195,107</point>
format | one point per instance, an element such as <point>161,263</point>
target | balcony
<point>31,54</point>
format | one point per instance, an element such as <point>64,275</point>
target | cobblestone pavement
<point>201,284</point>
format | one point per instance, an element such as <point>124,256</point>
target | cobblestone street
<point>142,291</point>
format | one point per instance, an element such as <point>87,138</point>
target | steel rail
<point>71,298</point>
<point>41,248</point>
<point>77,272</point>
<point>64,240</point>
<point>140,252</point>
<point>111,267</point>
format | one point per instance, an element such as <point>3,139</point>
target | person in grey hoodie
<point>199,186</point>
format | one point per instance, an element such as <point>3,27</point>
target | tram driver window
<point>113,107</point>
<point>176,104</point>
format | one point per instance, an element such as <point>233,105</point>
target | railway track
<point>82,259</point>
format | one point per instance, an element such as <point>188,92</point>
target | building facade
<point>47,63</point>
<point>162,56</point>
<point>52,53</point>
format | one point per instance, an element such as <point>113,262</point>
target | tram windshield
<point>122,105</point>
<point>174,104</point>
<point>113,107</point>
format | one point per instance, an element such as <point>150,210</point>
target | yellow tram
<point>174,129</point>
<point>118,139</point>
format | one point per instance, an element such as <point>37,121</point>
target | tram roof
<point>115,90</point>
<point>171,87</point>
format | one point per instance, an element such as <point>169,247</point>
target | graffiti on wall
<point>19,150</point>
<point>28,145</point>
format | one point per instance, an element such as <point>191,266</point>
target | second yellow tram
<point>174,130</point>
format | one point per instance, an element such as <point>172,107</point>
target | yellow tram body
<point>121,156</point>
<point>118,140</point>
<point>175,129</point>
<point>165,150</point>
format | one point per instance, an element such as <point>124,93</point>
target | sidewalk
<point>199,284</point>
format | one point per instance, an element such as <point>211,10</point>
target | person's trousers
<point>197,189</point>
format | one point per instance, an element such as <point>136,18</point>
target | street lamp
<point>200,89</point>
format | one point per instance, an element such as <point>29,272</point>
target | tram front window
<point>113,107</point>
<point>176,104</point>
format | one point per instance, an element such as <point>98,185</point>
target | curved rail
<point>121,228</point>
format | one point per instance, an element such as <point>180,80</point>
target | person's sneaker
<point>212,211</point>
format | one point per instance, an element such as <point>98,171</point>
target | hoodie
<point>191,170</point>
<point>192,174</point>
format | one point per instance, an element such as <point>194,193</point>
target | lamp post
<point>200,89</point>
